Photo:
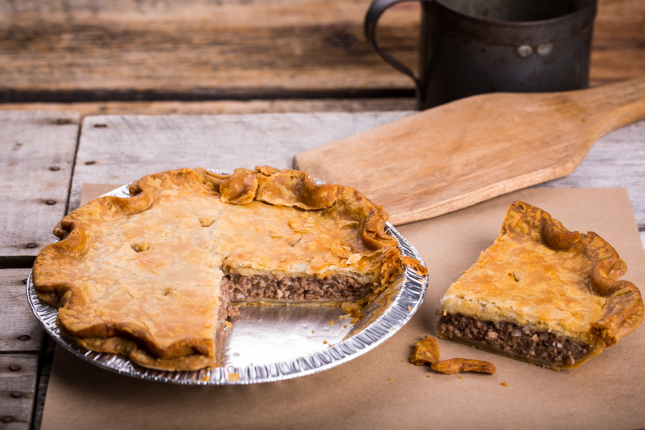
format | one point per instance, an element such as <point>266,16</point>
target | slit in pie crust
<point>542,294</point>
<point>154,276</point>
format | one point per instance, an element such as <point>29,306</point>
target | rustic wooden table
<point>61,61</point>
<point>47,156</point>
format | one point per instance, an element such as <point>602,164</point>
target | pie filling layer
<point>294,288</point>
<point>514,340</point>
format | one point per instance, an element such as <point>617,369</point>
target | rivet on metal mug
<point>470,47</point>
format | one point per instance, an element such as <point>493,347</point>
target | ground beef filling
<point>293,288</point>
<point>230,310</point>
<point>513,339</point>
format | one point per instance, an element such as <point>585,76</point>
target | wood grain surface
<point>83,50</point>
<point>44,372</point>
<point>222,106</point>
<point>21,334</point>
<point>21,341</point>
<point>121,149</point>
<point>471,150</point>
<point>196,49</point>
<point>35,170</point>
<point>20,331</point>
<point>16,411</point>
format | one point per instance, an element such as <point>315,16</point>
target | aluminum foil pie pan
<point>274,343</point>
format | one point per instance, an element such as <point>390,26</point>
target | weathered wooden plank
<point>19,331</point>
<point>72,50</point>
<point>617,64</point>
<point>35,169</point>
<point>127,50</point>
<point>222,106</point>
<point>18,374</point>
<point>120,149</point>
<point>47,359</point>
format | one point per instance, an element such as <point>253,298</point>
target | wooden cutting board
<point>471,150</point>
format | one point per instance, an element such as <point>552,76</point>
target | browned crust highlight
<point>294,188</point>
<point>623,312</point>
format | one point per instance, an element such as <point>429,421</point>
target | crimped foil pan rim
<point>405,303</point>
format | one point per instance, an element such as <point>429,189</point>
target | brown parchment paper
<point>92,191</point>
<point>381,389</point>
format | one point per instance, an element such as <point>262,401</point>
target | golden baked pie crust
<point>141,276</point>
<point>541,276</point>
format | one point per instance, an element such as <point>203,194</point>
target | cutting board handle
<point>609,107</point>
<point>461,153</point>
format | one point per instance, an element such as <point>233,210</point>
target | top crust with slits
<point>539,275</point>
<point>141,276</point>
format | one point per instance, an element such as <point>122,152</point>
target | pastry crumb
<point>390,379</point>
<point>410,308</point>
<point>461,377</point>
<point>331,322</point>
<point>344,325</point>
<point>249,316</point>
<point>275,234</point>
<point>293,224</point>
<point>353,259</point>
<point>504,384</point>
<point>425,351</point>
<point>325,343</point>
<point>428,376</point>
<point>456,365</point>
<point>228,324</point>
<point>312,332</point>
<point>414,264</point>
<point>233,377</point>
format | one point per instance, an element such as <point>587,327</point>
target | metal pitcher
<point>472,47</point>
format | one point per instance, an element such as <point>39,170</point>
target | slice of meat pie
<point>542,294</point>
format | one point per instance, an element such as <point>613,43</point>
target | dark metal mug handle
<point>371,19</point>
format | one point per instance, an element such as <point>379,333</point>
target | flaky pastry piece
<point>542,294</point>
<point>152,276</point>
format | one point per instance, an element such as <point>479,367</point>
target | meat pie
<point>542,294</point>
